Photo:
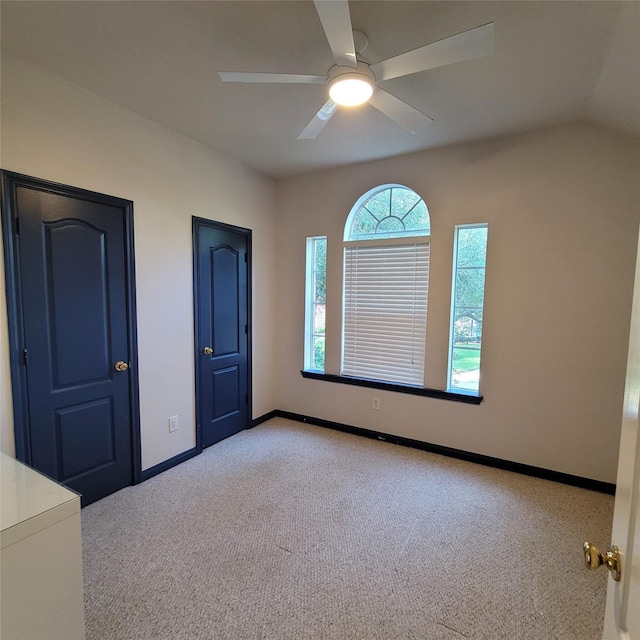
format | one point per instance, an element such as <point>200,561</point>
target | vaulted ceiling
<point>554,62</point>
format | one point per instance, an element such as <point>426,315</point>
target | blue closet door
<point>73,285</point>
<point>222,293</point>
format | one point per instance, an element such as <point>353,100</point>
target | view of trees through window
<point>394,211</point>
<point>468,301</point>
<point>319,301</point>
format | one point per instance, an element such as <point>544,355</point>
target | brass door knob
<point>120,366</point>
<point>207,351</point>
<point>593,559</point>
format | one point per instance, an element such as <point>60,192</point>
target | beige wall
<point>54,130</point>
<point>563,207</point>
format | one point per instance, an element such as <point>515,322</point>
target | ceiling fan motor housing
<point>362,71</point>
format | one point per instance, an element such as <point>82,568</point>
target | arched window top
<point>388,211</point>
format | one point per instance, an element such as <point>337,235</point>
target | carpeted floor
<point>289,531</point>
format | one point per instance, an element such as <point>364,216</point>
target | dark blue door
<point>222,330</point>
<point>73,283</point>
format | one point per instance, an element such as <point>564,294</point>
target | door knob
<point>120,366</point>
<point>593,559</point>
<point>207,351</point>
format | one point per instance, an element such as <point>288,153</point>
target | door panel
<point>222,317</point>
<point>622,615</point>
<point>82,449</point>
<point>76,314</point>
<point>77,297</point>
<point>226,392</point>
<point>225,311</point>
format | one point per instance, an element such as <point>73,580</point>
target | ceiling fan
<point>353,81</point>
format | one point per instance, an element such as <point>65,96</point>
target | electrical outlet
<point>173,424</point>
<point>375,404</point>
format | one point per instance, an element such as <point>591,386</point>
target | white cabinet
<point>41,563</point>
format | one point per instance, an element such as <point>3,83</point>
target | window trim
<point>309,304</point>
<point>365,197</point>
<point>454,270</point>
<point>441,394</point>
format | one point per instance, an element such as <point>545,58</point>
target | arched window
<point>386,284</point>
<point>389,211</point>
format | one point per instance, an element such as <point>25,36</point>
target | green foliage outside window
<point>470,265</point>
<point>319,303</point>
<point>391,212</point>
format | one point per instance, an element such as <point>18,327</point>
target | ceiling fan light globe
<point>350,90</point>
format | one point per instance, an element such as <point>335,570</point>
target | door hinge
<point>246,399</point>
<point>25,356</point>
<point>246,329</point>
<point>17,225</point>
<point>246,257</point>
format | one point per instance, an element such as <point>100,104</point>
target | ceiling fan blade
<point>467,45</point>
<point>319,122</point>
<point>336,22</point>
<point>402,113</point>
<point>283,78</point>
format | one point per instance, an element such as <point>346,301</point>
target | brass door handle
<point>593,559</point>
<point>120,366</point>
<point>207,351</point>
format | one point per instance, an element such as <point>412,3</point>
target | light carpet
<point>289,531</point>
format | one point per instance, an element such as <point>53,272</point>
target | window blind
<point>385,312</point>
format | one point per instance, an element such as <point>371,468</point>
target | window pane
<point>320,270</point>
<point>391,212</point>
<point>465,372</point>
<point>467,325</point>
<point>315,303</point>
<point>318,319</point>
<point>364,223</point>
<point>379,204</point>
<point>402,200</point>
<point>467,307</point>
<point>472,247</point>
<point>418,218</point>
<point>390,224</point>
<point>469,286</point>
<point>318,353</point>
